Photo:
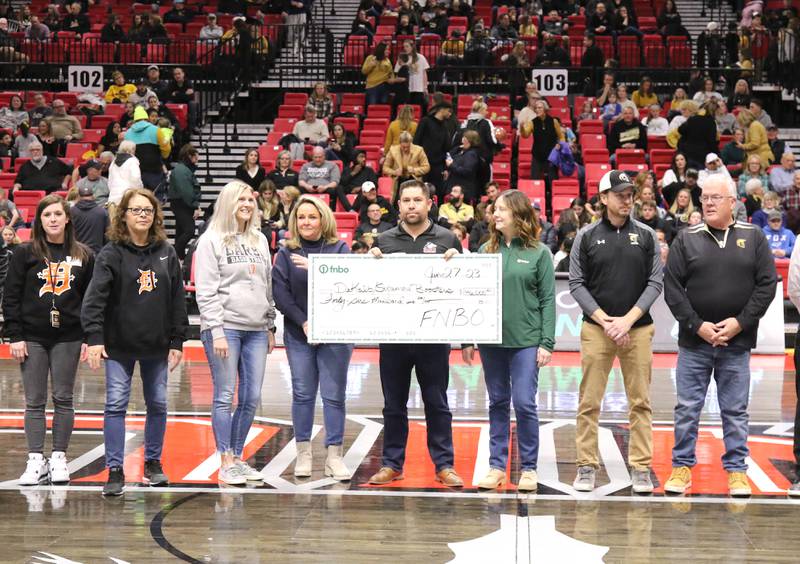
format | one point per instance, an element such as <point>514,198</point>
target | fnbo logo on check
<point>334,269</point>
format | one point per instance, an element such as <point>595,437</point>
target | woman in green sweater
<point>511,369</point>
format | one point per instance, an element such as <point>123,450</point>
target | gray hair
<point>720,180</point>
<point>128,147</point>
<point>752,185</point>
<point>107,155</point>
<point>35,145</point>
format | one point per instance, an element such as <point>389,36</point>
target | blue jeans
<point>377,95</point>
<point>118,392</point>
<point>512,374</point>
<point>247,356</point>
<point>313,367</point>
<point>731,369</point>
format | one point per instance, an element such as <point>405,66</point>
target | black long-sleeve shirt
<point>712,275</point>
<point>615,269</point>
<point>31,291</point>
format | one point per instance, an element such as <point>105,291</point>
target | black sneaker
<point>154,474</point>
<point>116,482</point>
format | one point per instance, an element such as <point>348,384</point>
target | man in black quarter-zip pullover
<point>720,279</point>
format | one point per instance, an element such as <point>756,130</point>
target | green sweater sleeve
<point>546,285</point>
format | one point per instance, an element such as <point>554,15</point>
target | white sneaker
<point>250,474</point>
<point>35,472</point>
<point>231,475</point>
<point>59,473</point>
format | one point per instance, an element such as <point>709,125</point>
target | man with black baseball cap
<point>615,275</point>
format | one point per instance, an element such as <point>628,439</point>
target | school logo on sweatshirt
<point>147,281</point>
<point>57,277</point>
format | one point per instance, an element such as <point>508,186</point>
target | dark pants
<point>151,180</point>
<point>797,406</point>
<point>435,178</point>
<point>432,366</point>
<point>184,225</point>
<point>332,196</point>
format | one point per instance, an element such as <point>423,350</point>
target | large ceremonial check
<point>405,299</point>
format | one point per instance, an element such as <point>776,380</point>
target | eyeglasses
<point>147,212</point>
<point>715,199</point>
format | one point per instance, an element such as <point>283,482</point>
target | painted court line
<point>443,495</point>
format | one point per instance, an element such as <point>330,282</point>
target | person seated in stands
<point>112,32</point>
<point>9,48</point>
<point>104,161</point>
<point>791,204</point>
<point>551,54</point>
<point>754,197</point>
<point>627,133</point>
<point>452,52</point>
<point>669,20</point>
<point>94,181</point>
<point>43,173</point>
<point>644,97</point>
<point>554,24</point>
<point>13,115</point>
<point>9,214</point>
<point>127,117</point>
<point>648,214</point>
<point>283,174</point>
<point>375,225</point>
<point>211,31</point>
<point>707,93</point>
<point>181,91</point>
<point>155,30</point>
<point>52,17</point>
<point>369,195</point>
<point>455,211</point>
<point>770,201</point>
<point>503,33</point>
<point>609,86</point>
<point>756,170</point>
<point>362,25</point>
<point>757,109</point>
<point>438,23</point>
<point>781,240</point>
<point>37,31</point>
<point>179,14</point>
<point>141,94</point>
<point>250,170</point>
<point>322,100</point>
<point>714,167</point>
<point>40,110</point>
<point>7,145</point>
<point>341,145</point>
<point>624,23</point>
<point>726,121</point>
<point>119,91</point>
<point>781,177</point>
<point>320,176</point>
<point>777,146</point>
<point>732,153</point>
<point>75,20</point>
<point>405,161</point>
<point>600,22</point>
<point>624,100</point>
<point>23,141</point>
<point>492,190</point>
<point>311,130</point>
<point>161,110</point>
<point>405,26</point>
<point>137,33</point>
<point>64,127</point>
<point>52,147</point>
<point>478,52</point>
<point>657,126</point>
<point>155,83</point>
<point>411,10</point>
<point>355,175</point>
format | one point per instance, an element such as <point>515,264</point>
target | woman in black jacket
<point>112,32</point>
<point>45,286</point>
<point>135,311</point>
<point>283,174</point>
<point>341,145</point>
<point>699,136</point>
<point>464,166</point>
<point>250,171</point>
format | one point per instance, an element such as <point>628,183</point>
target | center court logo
<point>333,269</point>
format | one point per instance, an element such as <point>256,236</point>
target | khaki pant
<point>597,355</point>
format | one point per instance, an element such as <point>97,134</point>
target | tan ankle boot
<point>302,466</point>
<point>334,465</point>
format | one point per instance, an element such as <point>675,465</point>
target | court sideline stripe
<point>464,495</point>
<point>158,534</point>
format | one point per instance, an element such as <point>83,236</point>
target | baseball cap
<point>94,163</point>
<point>151,67</point>
<point>615,181</point>
<point>774,214</point>
<point>85,191</point>
<point>711,157</point>
<point>368,186</point>
<point>537,206</point>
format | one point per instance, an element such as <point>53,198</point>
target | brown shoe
<point>385,475</point>
<point>449,478</point>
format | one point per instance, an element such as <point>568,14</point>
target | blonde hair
<point>292,191</point>
<point>224,222</point>
<point>691,106</point>
<point>745,118</point>
<point>16,240</point>
<point>328,223</point>
<point>479,106</point>
<point>127,147</point>
<point>689,208</point>
<point>405,117</point>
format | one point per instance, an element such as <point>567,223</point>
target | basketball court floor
<point>414,520</point>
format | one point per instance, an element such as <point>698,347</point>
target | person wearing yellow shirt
<point>455,211</point>
<point>644,97</point>
<point>404,122</point>
<point>119,91</point>
<point>380,73</point>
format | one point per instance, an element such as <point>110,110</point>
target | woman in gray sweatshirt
<point>237,320</point>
